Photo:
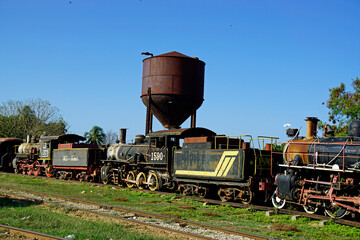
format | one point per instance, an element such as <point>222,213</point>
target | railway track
<point>234,204</point>
<point>136,216</point>
<point>29,234</point>
<point>257,207</point>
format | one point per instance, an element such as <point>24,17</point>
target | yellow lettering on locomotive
<point>223,167</point>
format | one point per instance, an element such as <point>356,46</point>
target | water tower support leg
<point>193,120</point>
<point>149,115</point>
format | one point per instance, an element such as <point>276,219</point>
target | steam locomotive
<point>206,163</point>
<point>320,172</point>
<point>62,156</point>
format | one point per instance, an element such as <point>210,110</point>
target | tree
<point>95,136</point>
<point>33,117</point>
<point>110,137</point>
<point>344,107</point>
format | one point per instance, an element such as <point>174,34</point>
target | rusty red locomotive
<point>321,172</point>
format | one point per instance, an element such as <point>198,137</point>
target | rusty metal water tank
<point>177,87</point>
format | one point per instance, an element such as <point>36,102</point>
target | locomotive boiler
<point>321,172</point>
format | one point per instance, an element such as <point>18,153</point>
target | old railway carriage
<point>204,164</point>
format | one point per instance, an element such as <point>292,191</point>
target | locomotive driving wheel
<point>131,177</point>
<point>154,182</point>
<point>105,174</point>
<point>333,210</point>
<point>36,168</point>
<point>277,202</point>
<point>140,180</point>
<point>311,207</point>
<point>48,170</point>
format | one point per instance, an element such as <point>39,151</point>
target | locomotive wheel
<point>121,178</point>
<point>277,202</point>
<point>202,192</point>
<point>30,171</point>
<point>172,186</point>
<point>48,170</point>
<point>333,210</point>
<point>140,180</point>
<point>36,169</point>
<point>154,183</point>
<point>130,176</point>
<point>48,173</point>
<point>105,173</point>
<point>311,208</point>
<point>247,197</point>
<point>187,190</point>
<point>222,195</point>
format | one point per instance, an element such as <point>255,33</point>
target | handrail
<point>234,136</point>
<point>315,154</point>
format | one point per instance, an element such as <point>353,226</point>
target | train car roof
<point>184,132</point>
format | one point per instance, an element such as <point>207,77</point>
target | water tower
<point>172,89</point>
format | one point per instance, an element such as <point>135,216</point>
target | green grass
<point>248,220</point>
<point>29,215</point>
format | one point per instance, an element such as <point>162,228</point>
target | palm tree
<point>95,136</point>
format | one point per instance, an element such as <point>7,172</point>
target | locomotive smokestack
<point>122,135</point>
<point>311,131</point>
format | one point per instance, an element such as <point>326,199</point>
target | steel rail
<point>185,234</point>
<point>282,211</point>
<point>143,213</point>
<point>31,234</point>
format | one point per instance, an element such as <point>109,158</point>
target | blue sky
<point>267,62</point>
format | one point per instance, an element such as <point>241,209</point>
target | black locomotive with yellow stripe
<point>205,164</point>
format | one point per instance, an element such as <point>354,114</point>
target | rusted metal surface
<point>311,131</point>
<point>149,115</point>
<point>122,135</point>
<point>193,120</point>
<point>184,132</point>
<point>177,87</point>
<point>30,234</point>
